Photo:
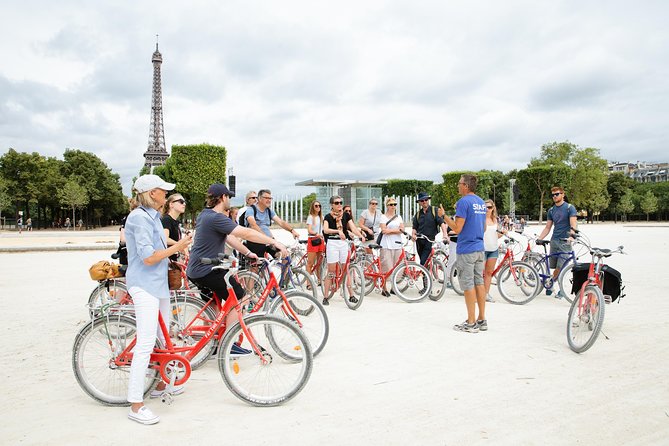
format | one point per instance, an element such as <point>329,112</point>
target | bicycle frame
<point>377,274</point>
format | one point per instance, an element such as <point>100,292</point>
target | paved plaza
<point>392,373</point>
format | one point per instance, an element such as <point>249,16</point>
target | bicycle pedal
<point>608,299</point>
<point>167,398</point>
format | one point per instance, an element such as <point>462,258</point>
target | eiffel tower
<point>156,153</point>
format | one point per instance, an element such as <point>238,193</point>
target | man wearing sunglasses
<point>427,221</point>
<point>260,217</point>
<point>561,218</point>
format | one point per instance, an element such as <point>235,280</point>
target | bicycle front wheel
<point>354,287</point>
<point>586,317</point>
<point>308,314</point>
<point>519,283</point>
<point>455,281</point>
<point>106,294</point>
<point>95,348</point>
<point>438,274</point>
<point>565,281</point>
<point>411,282</point>
<point>276,369</point>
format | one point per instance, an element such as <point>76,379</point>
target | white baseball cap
<point>147,182</point>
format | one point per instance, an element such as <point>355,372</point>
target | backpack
<point>242,217</point>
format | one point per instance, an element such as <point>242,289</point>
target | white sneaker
<point>143,416</point>
<point>489,298</point>
<point>177,390</point>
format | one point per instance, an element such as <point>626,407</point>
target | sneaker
<point>177,390</point>
<point>560,295</point>
<point>143,416</point>
<point>237,351</point>
<point>326,301</point>
<point>392,291</point>
<point>385,293</point>
<point>473,328</point>
<point>489,298</point>
<point>549,291</point>
<point>448,285</point>
<point>482,325</point>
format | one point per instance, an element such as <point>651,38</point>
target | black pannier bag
<point>612,280</point>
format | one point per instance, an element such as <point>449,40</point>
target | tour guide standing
<point>469,224</point>
<point>562,218</point>
<point>427,221</point>
<point>146,279</point>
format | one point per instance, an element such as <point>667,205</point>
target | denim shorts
<point>559,246</point>
<point>491,254</point>
<point>470,269</point>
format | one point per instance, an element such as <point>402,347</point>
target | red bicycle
<point>276,369</point>
<point>586,315</point>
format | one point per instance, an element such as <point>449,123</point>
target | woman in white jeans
<point>146,278</point>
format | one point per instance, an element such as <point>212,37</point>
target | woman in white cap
<point>146,278</point>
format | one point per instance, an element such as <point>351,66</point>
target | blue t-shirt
<point>263,219</point>
<point>212,229</point>
<point>472,209</point>
<point>560,216</point>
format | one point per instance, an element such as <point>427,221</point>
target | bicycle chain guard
<point>175,366</point>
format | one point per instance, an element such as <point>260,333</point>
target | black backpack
<point>242,217</point>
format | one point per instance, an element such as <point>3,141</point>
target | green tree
<point>21,172</point>
<point>555,154</point>
<point>193,168</point>
<point>648,204</point>
<point>5,199</point>
<point>626,204</point>
<point>617,185</point>
<point>588,186</point>
<point>534,185</point>
<point>74,196</point>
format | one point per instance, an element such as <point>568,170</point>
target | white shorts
<point>336,251</point>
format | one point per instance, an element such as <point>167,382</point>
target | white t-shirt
<point>389,240</point>
<point>490,239</point>
<point>372,221</point>
<point>315,222</point>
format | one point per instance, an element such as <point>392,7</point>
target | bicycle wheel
<point>309,315</point>
<point>188,324</point>
<point>586,317</point>
<point>411,282</point>
<point>280,371</point>
<point>455,281</point>
<point>438,274</point>
<point>252,284</point>
<point>519,283</point>
<point>565,281</point>
<point>95,347</point>
<point>107,293</point>
<point>299,280</point>
<point>354,287</point>
<point>367,265</point>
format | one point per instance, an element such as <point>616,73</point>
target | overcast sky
<point>344,90</point>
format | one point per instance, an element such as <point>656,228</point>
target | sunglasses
<point>374,204</point>
<point>317,205</point>
<point>489,207</point>
<point>422,201</point>
<point>392,204</point>
<point>337,202</point>
<point>180,200</point>
<point>556,194</point>
<point>252,198</point>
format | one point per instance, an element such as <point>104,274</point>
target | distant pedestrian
<point>19,224</point>
<point>80,224</point>
<point>469,224</point>
<point>29,224</point>
<point>67,224</point>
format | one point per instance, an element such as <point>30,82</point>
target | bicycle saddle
<point>543,242</point>
<point>601,252</point>
<point>373,246</point>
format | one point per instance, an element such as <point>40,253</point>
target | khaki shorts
<point>470,268</point>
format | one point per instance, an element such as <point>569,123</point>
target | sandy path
<point>392,373</point>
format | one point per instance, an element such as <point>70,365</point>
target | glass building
<point>354,192</point>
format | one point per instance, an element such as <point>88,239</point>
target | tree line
<point>49,190</point>
<point>582,172</point>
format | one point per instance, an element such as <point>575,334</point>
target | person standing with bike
<point>172,210</point>
<point>469,224</point>
<point>427,221</point>
<point>315,242</point>
<point>392,228</point>
<point>561,218</point>
<point>146,279</point>
<point>336,227</point>
<point>491,245</point>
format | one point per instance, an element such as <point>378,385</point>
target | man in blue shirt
<point>469,224</point>
<point>260,217</point>
<point>561,217</point>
